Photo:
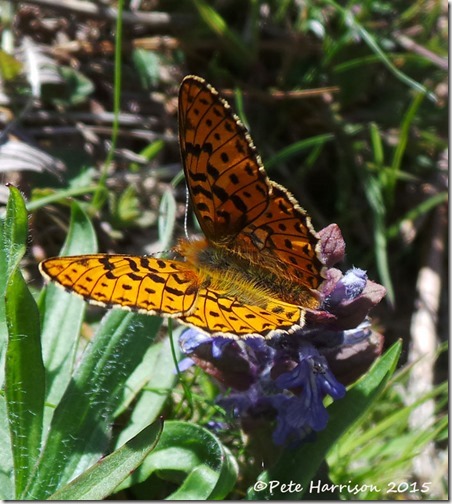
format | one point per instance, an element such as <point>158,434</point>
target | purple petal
<point>190,340</point>
<point>332,245</point>
<point>350,286</point>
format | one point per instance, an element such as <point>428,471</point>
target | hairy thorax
<point>245,276</point>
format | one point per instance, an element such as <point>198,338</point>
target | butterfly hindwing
<point>220,314</point>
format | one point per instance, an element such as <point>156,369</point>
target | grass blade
<point>401,146</point>
<point>372,44</point>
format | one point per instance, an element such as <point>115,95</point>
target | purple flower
<point>347,288</point>
<point>305,410</point>
<point>285,380</point>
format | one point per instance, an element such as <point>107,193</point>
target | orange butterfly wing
<point>147,284</point>
<point>164,287</point>
<point>227,183</point>
<point>223,315</point>
<point>237,206</point>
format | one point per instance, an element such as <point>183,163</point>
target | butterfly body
<point>241,275</point>
<point>258,267</point>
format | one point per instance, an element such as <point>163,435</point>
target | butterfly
<point>258,267</point>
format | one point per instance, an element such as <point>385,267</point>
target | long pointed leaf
<point>100,480</point>
<point>24,376</point>
<point>159,369</point>
<point>81,425</point>
<point>6,455</point>
<point>62,314</point>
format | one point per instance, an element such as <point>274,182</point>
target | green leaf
<point>24,376</point>
<point>416,212</point>
<point>10,67</point>
<point>80,430</point>
<point>353,444</point>
<point>62,314</point>
<point>377,147</point>
<point>193,457</point>
<point>15,230</point>
<point>352,21</point>
<point>148,153</point>
<point>77,88</point>
<point>240,53</point>
<point>154,378</point>
<point>127,208</point>
<point>399,151</point>
<point>301,465</point>
<point>147,64</point>
<point>100,480</point>
<point>6,455</point>
<point>4,259</point>
<point>57,196</point>
<point>373,188</point>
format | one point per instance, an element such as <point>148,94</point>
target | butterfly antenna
<point>187,204</point>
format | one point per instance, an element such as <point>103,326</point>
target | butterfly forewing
<point>148,284</point>
<point>227,184</point>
